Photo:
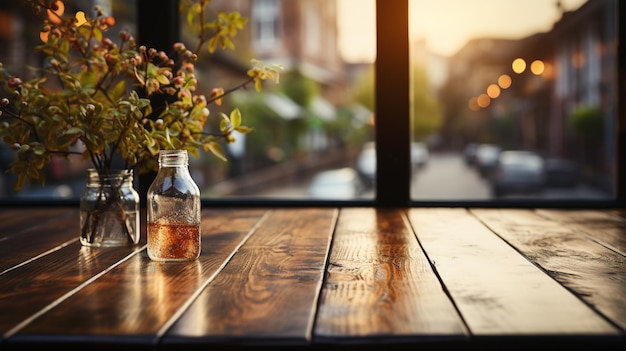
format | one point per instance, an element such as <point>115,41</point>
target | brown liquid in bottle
<point>173,241</point>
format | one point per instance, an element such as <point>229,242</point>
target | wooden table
<point>329,278</point>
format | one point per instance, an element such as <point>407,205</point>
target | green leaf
<point>235,118</point>
<point>74,131</point>
<point>119,90</point>
<point>194,11</point>
<point>162,79</point>
<point>216,149</point>
<point>19,182</point>
<point>212,45</point>
<point>244,129</point>
<point>39,150</point>
<point>152,70</point>
<point>97,33</point>
<point>225,124</point>
<point>65,48</point>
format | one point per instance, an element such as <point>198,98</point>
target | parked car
<point>519,172</point>
<point>486,158</point>
<point>469,153</point>
<point>336,184</point>
<point>419,154</point>
<point>366,164</point>
<point>562,173</point>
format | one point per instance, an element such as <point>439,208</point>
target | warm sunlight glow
<point>473,104</point>
<point>357,30</point>
<point>537,67</point>
<point>448,25</point>
<point>483,100</point>
<point>493,90</point>
<point>578,60</point>
<point>446,31</point>
<point>548,71</point>
<point>519,65</point>
<point>504,81</point>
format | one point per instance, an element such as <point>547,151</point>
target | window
<point>310,128</point>
<point>559,63</point>
<point>326,129</point>
<point>265,19</point>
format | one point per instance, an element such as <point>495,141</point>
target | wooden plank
<point>497,290</point>
<point>28,289</point>
<point>267,294</point>
<point>27,233</point>
<point>593,272</point>
<point>14,220</point>
<point>380,285</point>
<point>136,301</point>
<point>607,227</point>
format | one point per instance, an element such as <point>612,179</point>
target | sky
<point>447,25</point>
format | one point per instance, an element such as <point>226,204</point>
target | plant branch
<point>231,90</point>
<point>201,36</point>
<point>60,152</point>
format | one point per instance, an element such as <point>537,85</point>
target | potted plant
<point>95,96</point>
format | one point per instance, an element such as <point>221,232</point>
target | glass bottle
<point>173,210</point>
<point>109,209</point>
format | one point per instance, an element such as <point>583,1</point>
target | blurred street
<point>446,177</point>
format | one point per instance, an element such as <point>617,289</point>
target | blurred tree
<point>364,94</point>
<point>299,88</point>
<point>427,114</point>
<point>587,122</point>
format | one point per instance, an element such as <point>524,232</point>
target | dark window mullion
<point>392,124</point>
<point>621,110</point>
<point>158,26</point>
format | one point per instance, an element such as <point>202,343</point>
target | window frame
<point>158,26</point>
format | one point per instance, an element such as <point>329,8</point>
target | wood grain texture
<point>498,291</point>
<point>606,227</point>
<point>379,284</point>
<point>589,269</point>
<point>323,278</point>
<point>14,220</point>
<point>136,300</point>
<point>26,233</point>
<point>26,290</point>
<point>268,292</point>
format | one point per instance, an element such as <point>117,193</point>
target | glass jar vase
<point>109,209</point>
<point>173,210</point>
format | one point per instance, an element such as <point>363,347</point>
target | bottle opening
<point>110,178</point>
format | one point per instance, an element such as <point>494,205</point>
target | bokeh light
<point>537,67</point>
<point>519,65</point>
<point>483,100</point>
<point>473,104</point>
<point>493,90</point>
<point>504,81</point>
<point>548,70</point>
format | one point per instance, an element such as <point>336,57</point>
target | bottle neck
<point>173,158</point>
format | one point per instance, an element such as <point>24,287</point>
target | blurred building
<point>299,35</point>
<point>572,65</point>
<point>306,120</point>
<point>585,58</point>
